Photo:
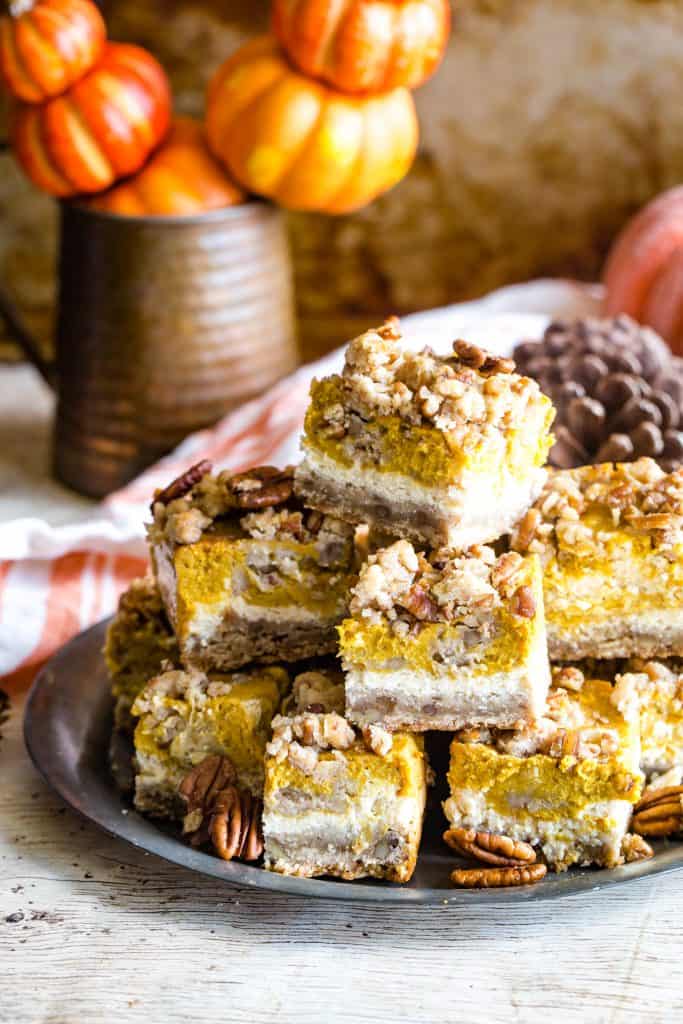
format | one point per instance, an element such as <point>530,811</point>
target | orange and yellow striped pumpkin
<point>290,138</point>
<point>181,178</point>
<point>364,46</point>
<point>47,45</point>
<point>100,130</point>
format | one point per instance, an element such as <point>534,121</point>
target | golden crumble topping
<point>405,587</point>
<point>450,393</point>
<point>579,509</point>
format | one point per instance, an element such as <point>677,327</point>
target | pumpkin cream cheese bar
<point>246,572</point>
<point>139,640</point>
<point>610,538</point>
<point>445,640</point>
<point>337,801</point>
<point>184,717</point>
<point>443,450</point>
<point>567,784</point>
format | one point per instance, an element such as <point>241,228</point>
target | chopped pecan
<point>390,329</point>
<point>235,826</point>
<point>569,677</point>
<point>494,878</point>
<point>634,847</point>
<point>378,740</point>
<point>478,359</point>
<point>183,484</point>
<point>525,530</point>
<point>523,602</point>
<point>263,487</point>
<point>659,812</point>
<point>489,847</point>
<point>418,602</point>
<point>565,743</point>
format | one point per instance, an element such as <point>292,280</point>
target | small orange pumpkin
<point>181,178</point>
<point>643,275</point>
<point>101,129</point>
<point>290,138</point>
<point>364,45</point>
<point>47,45</point>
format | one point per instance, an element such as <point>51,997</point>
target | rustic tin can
<point>164,324</point>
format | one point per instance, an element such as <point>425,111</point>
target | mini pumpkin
<point>292,139</point>
<point>47,45</point>
<point>101,129</point>
<point>363,46</point>
<point>181,178</point>
<point>643,275</point>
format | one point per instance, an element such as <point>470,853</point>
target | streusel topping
<point>260,504</point>
<point>452,393</point>
<point>403,586</point>
<point>313,722</point>
<point>582,720</point>
<point>579,509</point>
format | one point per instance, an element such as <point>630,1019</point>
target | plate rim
<point>143,834</point>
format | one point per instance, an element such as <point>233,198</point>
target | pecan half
<point>495,878</point>
<point>418,602</point>
<point>523,602</point>
<point>263,487</point>
<point>489,847</point>
<point>659,812</point>
<point>235,826</point>
<point>201,787</point>
<point>183,484</point>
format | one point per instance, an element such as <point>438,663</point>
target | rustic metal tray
<point>67,730</point>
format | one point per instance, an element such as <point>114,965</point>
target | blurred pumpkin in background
<point>181,178</point>
<point>364,45</point>
<point>47,45</point>
<point>102,128</point>
<point>292,139</point>
<point>643,275</point>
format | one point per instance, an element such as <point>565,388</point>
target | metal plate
<point>67,729</point>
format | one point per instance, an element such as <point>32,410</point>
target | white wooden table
<point>92,931</point>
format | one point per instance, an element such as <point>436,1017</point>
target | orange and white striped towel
<point>56,581</point>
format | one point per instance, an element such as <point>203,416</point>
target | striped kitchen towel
<point>56,581</point>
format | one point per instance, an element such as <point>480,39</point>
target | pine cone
<point>617,389</point>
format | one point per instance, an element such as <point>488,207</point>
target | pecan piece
<point>478,359</point>
<point>489,847</point>
<point>494,878</point>
<point>418,602</point>
<point>235,826</point>
<point>634,847</point>
<point>199,789</point>
<point>523,602</point>
<point>263,487</point>
<point>525,531</point>
<point>565,743</point>
<point>659,812</point>
<point>183,484</point>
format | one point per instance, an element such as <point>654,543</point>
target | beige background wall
<point>548,123</point>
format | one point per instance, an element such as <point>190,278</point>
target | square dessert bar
<point>610,538</point>
<point>139,640</point>
<point>337,802</point>
<point>566,784</point>
<point>445,641</point>
<point>245,571</point>
<point>444,450</point>
<point>185,716</point>
<point>659,686</point>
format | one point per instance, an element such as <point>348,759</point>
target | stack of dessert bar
<point>304,627</point>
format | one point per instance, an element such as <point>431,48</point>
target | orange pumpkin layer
<point>290,138</point>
